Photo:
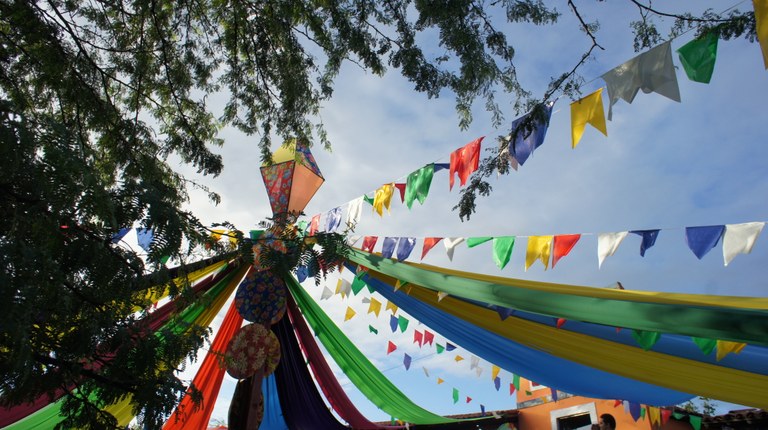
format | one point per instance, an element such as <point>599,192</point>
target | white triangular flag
<point>426,371</point>
<point>344,288</point>
<point>473,362</point>
<point>352,240</point>
<point>740,238</point>
<point>441,295</point>
<point>607,244</point>
<point>450,243</point>
<point>354,211</point>
<point>327,293</point>
<point>479,371</point>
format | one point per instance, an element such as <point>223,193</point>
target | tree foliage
<point>99,98</point>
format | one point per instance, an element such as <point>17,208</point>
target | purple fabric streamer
<point>702,239</point>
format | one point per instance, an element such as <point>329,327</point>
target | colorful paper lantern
<point>292,179</point>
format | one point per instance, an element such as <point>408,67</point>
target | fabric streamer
<point>383,198</point>
<point>539,248</point>
<point>429,243</point>
<point>607,244</point>
<point>649,239</point>
<point>388,247</point>
<point>333,220</point>
<point>355,211</point>
<point>273,413</point>
<point>405,246</point>
<point>502,250</point>
<point>450,244</point>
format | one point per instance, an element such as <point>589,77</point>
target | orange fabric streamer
<point>207,380</point>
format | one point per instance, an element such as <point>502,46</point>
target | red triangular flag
<point>511,388</point>
<point>401,187</point>
<point>428,337</point>
<point>560,322</point>
<point>418,337</point>
<point>616,403</point>
<point>665,414</point>
<point>314,224</point>
<point>464,161</point>
<point>391,347</point>
<point>369,242</point>
<point>469,399</point>
<point>563,245</point>
<point>429,243</point>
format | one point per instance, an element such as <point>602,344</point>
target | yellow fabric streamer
<point>725,347</point>
<point>761,18</point>
<point>588,110</point>
<point>153,295</point>
<point>383,198</point>
<point>539,248</point>
<point>350,314</point>
<point>374,306</point>
<point>690,376</point>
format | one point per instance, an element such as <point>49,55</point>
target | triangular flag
<point>701,240</point>
<point>455,395</point>
<point>401,187</point>
<point>373,329</point>
<point>695,422</point>
<point>474,241</point>
<point>560,322</point>
<point>698,57</point>
<point>511,388</point>
<point>391,307</point>
<point>495,371</point>
<point>449,346</point>
<point>649,239</point>
<point>352,240</point>
<point>439,348</point>
<point>607,244</point>
<point>553,393</point>
<point>441,295</point>
<point>357,284</point>
<point>502,250</point>
<point>705,345</point>
<point>333,219</point>
<point>343,287</point>
<point>393,323</point>
<point>388,247</point>
<point>215,234</point>
<point>474,361</point>
<point>440,381</point>
<point>634,410</point>
<point>654,415</point>
<point>482,410</point>
<point>403,323</point>
<point>563,244</point>
<point>740,238</point>
<point>646,339</point>
<point>369,242</point>
<point>400,284</point>
<point>391,347</point>
<point>450,243</point>
<point>497,383</point>
<point>588,110</point>
<point>464,161</point>
<point>144,237</point>
<point>426,371</point>
<point>527,135</point>
<point>458,358</point>
<point>761,26</point>
<point>516,381</point>
<point>725,347</point>
<point>418,337</point>
<point>350,314</point>
<point>469,399</point>
<point>479,371</point>
<point>428,337</point>
<point>651,71</point>
<point>539,248</point>
<point>374,306</point>
<point>368,199</point>
<point>407,361</point>
<point>418,185</point>
<point>119,235</point>
<point>429,243</point>
<point>314,225</point>
<point>404,247</point>
<point>383,198</point>
<point>665,414</point>
<point>355,211</point>
<point>327,293</point>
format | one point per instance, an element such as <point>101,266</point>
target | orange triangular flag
<point>588,110</point>
<point>563,245</point>
<point>429,243</point>
<point>539,248</point>
<point>458,358</point>
<point>350,313</point>
<point>440,381</point>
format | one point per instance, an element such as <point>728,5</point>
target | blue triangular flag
<point>702,239</point>
<point>649,239</point>
<point>144,236</point>
<point>388,247</point>
<point>404,247</point>
<point>524,142</point>
<point>634,410</point>
<point>301,273</point>
<point>503,312</point>
<point>333,219</point>
<point>482,410</point>
<point>449,346</point>
<point>120,234</point>
<point>441,166</point>
<point>393,323</point>
<point>497,383</point>
<point>407,361</point>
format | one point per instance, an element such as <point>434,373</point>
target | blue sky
<point>663,165</point>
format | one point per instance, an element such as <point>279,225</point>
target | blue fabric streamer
<point>649,239</point>
<point>273,414</point>
<point>702,239</point>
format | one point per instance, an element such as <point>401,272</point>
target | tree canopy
<point>98,98</point>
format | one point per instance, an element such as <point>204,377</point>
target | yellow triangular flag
<point>725,347</point>
<point>761,25</point>
<point>383,198</point>
<point>350,313</point>
<point>458,358</point>
<point>495,372</point>
<point>216,234</point>
<point>441,295</point>
<point>232,242</point>
<point>539,247</point>
<point>654,415</point>
<point>399,284</point>
<point>391,307</point>
<point>374,307</point>
<point>338,286</point>
<point>440,381</point>
<point>588,110</point>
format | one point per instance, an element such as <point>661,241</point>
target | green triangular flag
<point>403,323</point>
<point>646,339</point>
<point>502,250</point>
<point>417,185</point>
<point>516,381</point>
<point>440,348</point>
<point>165,259</point>
<point>372,329</point>
<point>698,58</point>
<point>255,234</point>
<point>705,345</point>
<point>368,199</point>
<point>695,421</point>
<point>357,284</point>
<point>455,395</point>
<point>474,241</point>
<point>642,412</point>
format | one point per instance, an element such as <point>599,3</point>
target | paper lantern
<point>260,298</point>
<point>253,349</point>
<point>292,179</point>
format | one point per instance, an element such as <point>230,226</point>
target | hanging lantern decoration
<point>292,180</point>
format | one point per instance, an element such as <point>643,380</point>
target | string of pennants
<point>735,238</point>
<point>424,337</point>
<point>650,71</point>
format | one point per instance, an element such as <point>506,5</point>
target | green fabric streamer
<point>698,58</point>
<point>417,185</point>
<point>502,250</point>
<point>737,324</point>
<point>440,348</point>
<point>474,241</point>
<point>455,395</point>
<point>646,339</point>
<point>403,323</point>
<point>366,377</point>
<point>705,345</point>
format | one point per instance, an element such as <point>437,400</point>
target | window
<point>575,422</point>
<point>578,417</point>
